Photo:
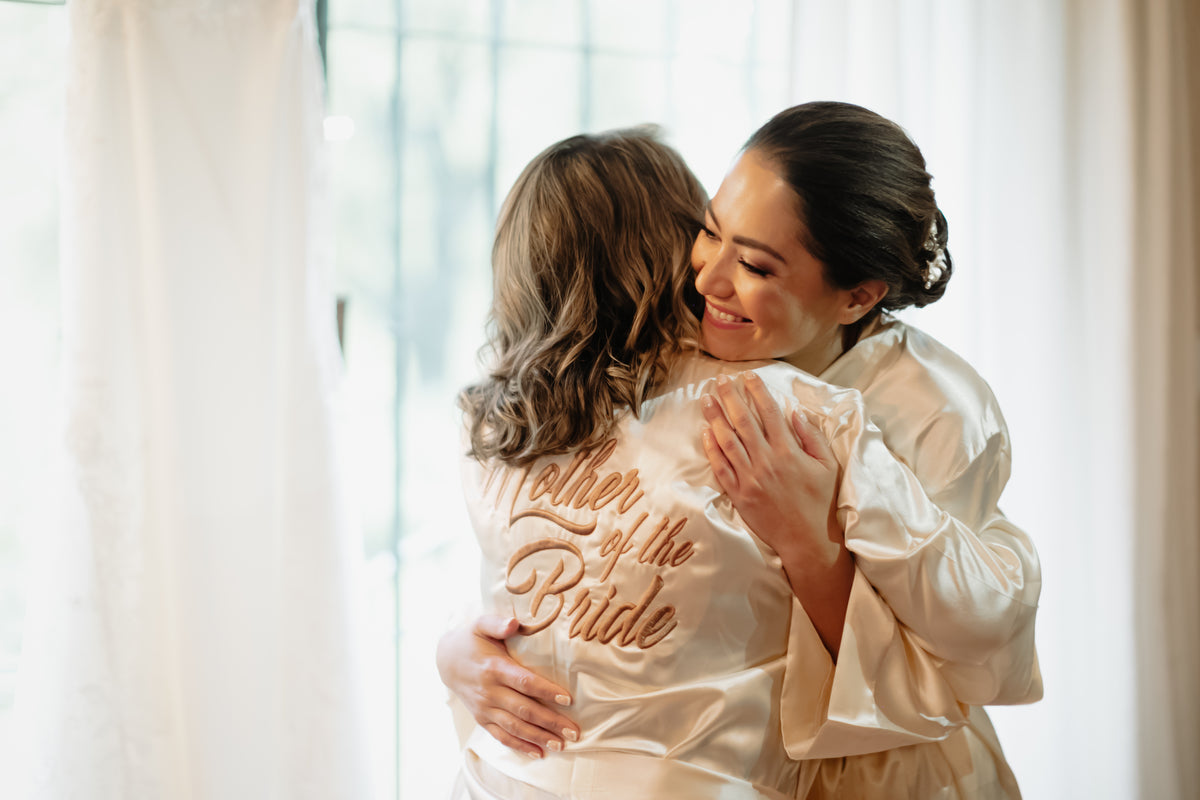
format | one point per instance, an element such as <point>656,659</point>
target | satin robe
<point>941,419</point>
<point>694,670</point>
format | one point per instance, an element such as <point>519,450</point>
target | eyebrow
<point>746,241</point>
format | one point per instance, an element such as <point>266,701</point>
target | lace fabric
<point>191,632</point>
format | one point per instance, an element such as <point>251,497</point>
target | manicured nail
<point>562,699</point>
<point>534,753</point>
<point>570,735</point>
<point>555,745</point>
<point>706,402</point>
<point>722,380</point>
<point>752,376</point>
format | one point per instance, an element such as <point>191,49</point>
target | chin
<point>725,353</point>
<point>728,348</point>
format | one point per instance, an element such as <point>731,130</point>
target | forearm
<point>821,578</point>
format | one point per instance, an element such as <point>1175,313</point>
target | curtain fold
<point>193,631</point>
<point>1166,312</point>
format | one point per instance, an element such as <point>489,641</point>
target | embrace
<point>739,524</point>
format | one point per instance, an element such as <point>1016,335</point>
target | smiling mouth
<point>723,316</point>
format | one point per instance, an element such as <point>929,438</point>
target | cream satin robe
<point>695,672</point>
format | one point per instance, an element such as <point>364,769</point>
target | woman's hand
<point>511,703</point>
<point>781,477</point>
<point>783,480</point>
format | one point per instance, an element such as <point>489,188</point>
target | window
<point>435,106</point>
<point>31,77</point>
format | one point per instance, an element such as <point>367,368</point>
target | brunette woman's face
<point>765,294</point>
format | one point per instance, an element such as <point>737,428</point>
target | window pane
<point>539,102</point>
<point>630,27</point>
<point>31,78</point>
<point>550,22</point>
<point>456,18</point>
<point>361,87</point>
<point>627,89</point>
<point>366,13</point>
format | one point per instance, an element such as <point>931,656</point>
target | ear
<point>861,299</point>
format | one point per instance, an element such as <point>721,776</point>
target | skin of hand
<point>511,703</point>
<point>783,480</point>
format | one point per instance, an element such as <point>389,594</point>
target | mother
<point>825,222</point>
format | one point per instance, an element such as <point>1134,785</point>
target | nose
<point>712,274</point>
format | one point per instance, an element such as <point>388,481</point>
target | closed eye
<point>753,270</point>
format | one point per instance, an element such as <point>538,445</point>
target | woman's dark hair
<point>591,268</point>
<point>865,200</point>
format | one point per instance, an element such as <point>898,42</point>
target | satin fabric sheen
<point>695,672</point>
<point>941,419</point>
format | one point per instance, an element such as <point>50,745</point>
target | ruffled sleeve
<point>941,613</point>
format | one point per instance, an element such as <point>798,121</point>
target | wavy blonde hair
<point>591,265</point>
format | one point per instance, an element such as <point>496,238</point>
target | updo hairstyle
<point>866,202</point>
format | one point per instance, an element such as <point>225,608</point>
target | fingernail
<point>722,380</point>
<point>706,401</point>
<point>555,745</point>
<point>562,699</point>
<point>752,376</point>
<point>534,753</point>
<point>570,735</point>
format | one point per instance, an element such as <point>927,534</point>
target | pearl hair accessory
<point>936,265</point>
<point>934,268</point>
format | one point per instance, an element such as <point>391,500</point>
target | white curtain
<point>1058,135</point>
<point>191,633</point>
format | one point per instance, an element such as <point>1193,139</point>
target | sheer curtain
<point>1058,135</point>
<point>190,632</point>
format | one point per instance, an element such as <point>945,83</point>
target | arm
<point>966,587</point>
<point>940,614</point>
<point>514,705</point>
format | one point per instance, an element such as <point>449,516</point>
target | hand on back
<point>514,705</point>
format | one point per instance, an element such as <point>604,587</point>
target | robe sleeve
<point>941,613</point>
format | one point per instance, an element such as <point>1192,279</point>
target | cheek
<point>786,318</point>
<point>796,306</point>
